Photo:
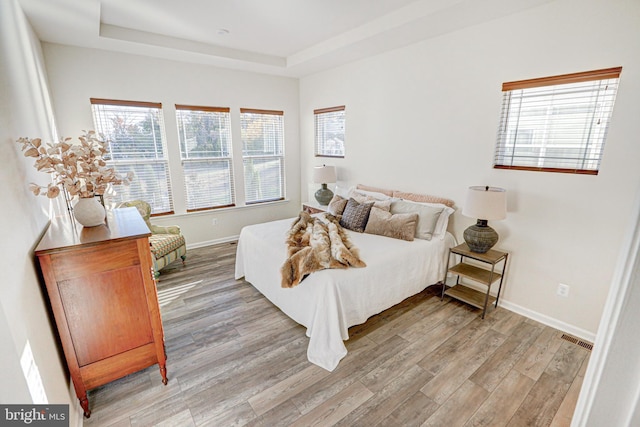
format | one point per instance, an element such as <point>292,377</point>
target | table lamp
<point>323,175</point>
<point>483,203</point>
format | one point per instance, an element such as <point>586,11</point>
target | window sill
<point>228,209</point>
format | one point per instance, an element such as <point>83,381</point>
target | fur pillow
<point>337,205</point>
<point>355,215</point>
<point>398,226</point>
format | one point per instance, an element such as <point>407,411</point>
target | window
<point>329,127</point>
<point>205,148</point>
<point>135,131</point>
<point>556,124</point>
<point>262,154</point>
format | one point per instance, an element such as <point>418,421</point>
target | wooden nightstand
<point>484,276</point>
<point>313,207</point>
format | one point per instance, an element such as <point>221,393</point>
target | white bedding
<point>328,302</point>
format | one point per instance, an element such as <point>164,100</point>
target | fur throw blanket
<point>316,243</point>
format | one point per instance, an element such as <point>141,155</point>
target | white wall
<point>25,110</point>
<point>77,74</point>
<point>424,118</point>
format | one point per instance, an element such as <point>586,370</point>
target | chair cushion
<point>162,244</point>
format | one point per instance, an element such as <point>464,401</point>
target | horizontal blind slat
<point>329,126</point>
<point>556,128</point>
<point>606,73</point>
<point>135,132</point>
<point>263,155</point>
<point>206,152</point>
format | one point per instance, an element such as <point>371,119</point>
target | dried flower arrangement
<point>78,168</point>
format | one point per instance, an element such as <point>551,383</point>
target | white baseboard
<point>534,315</point>
<point>212,242</point>
<point>549,321</point>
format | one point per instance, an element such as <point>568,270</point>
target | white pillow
<point>440,229</point>
<point>443,222</point>
<point>343,191</point>
<point>427,216</point>
<point>373,194</point>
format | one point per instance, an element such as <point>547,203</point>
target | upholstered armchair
<point>167,243</point>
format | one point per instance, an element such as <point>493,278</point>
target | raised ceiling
<point>284,37</point>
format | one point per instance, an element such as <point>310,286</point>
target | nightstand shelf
<point>474,273</point>
<point>483,276</point>
<point>468,295</point>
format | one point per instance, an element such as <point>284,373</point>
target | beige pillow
<point>337,205</point>
<point>427,216</point>
<point>398,226</point>
<point>380,204</point>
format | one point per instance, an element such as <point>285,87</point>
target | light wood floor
<point>234,359</point>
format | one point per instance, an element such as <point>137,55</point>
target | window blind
<point>329,131</point>
<point>262,134</point>
<point>137,143</point>
<point>206,151</point>
<point>556,124</point>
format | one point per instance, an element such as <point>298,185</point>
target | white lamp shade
<point>324,174</point>
<point>484,202</point>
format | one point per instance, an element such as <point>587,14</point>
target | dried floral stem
<point>78,168</point>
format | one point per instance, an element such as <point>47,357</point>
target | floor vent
<point>576,341</point>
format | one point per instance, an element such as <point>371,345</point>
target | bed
<point>330,301</point>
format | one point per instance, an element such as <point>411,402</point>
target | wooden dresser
<point>103,296</point>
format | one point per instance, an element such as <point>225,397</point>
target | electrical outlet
<point>214,221</point>
<point>563,290</point>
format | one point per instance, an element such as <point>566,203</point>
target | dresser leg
<point>84,402</point>
<point>163,372</point>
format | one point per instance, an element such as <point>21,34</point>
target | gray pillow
<point>355,215</point>
<point>398,226</point>
<point>427,216</point>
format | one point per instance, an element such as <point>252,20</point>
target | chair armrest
<point>170,229</point>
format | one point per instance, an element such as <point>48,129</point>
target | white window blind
<point>262,154</point>
<point>556,124</point>
<point>206,151</point>
<point>137,143</point>
<point>329,131</point>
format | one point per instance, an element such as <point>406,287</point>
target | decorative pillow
<point>398,226</point>
<point>337,205</point>
<point>414,197</point>
<point>443,221</point>
<point>427,216</point>
<point>370,194</point>
<point>355,215</point>
<point>388,193</point>
<point>380,204</point>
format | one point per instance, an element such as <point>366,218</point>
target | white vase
<point>89,212</point>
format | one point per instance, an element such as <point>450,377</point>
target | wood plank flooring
<point>234,359</point>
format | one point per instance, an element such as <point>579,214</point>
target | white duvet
<point>328,302</point>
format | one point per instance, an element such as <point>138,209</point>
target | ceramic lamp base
<point>480,237</point>
<point>324,195</point>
